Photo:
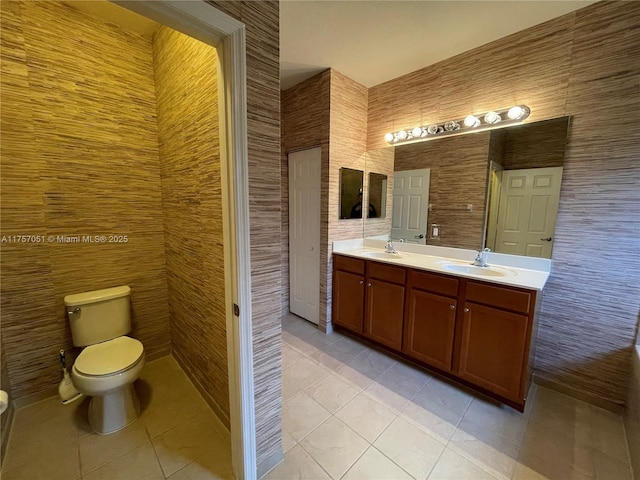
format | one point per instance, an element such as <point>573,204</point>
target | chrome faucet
<point>481,258</point>
<point>389,248</point>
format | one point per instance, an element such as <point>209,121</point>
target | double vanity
<point>431,306</point>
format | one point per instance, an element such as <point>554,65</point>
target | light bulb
<point>515,113</point>
<point>471,121</point>
<point>388,137</point>
<point>432,129</point>
<point>416,132</point>
<point>402,135</point>
<point>492,117</point>
<point>451,126</point>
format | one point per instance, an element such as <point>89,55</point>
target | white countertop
<point>513,270</point>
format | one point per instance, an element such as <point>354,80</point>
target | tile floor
<point>351,412</point>
<point>177,437</point>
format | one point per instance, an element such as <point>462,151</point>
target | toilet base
<point>114,411</point>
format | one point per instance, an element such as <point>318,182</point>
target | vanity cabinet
<point>495,332</point>
<point>475,332</point>
<point>348,293</point>
<point>431,319</point>
<point>384,300</point>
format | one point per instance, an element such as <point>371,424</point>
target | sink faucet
<point>389,247</point>
<point>481,258</point>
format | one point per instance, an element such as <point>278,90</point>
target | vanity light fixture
<point>471,123</point>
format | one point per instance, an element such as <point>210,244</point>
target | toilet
<point>110,361</point>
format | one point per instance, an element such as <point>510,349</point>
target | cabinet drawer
<point>434,283</point>
<point>348,264</point>
<point>499,297</point>
<point>385,272</point>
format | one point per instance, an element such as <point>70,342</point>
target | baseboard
<point>270,463</point>
<point>617,408</point>
<point>157,355</point>
<point>224,418</point>
<point>7,431</point>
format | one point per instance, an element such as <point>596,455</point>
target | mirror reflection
<point>350,193</point>
<point>377,193</point>
<point>497,189</point>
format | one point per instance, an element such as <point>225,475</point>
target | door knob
<point>361,282</point>
<point>466,310</point>
<point>548,239</point>
<point>419,236</point>
<point>368,284</point>
<point>452,307</point>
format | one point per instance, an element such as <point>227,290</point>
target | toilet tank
<point>99,315</point>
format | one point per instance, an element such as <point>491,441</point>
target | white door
<point>304,234</point>
<point>410,205</point>
<point>527,212</point>
<point>493,203</point>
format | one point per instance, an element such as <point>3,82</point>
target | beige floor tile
<point>608,434</point>
<point>187,442</point>
<point>289,388</point>
<point>611,468</point>
<point>374,465</point>
<point>451,466</point>
<point>297,465</point>
<point>353,375</point>
<point>141,464</point>
<point>213,465</point>
<point>494,454</point>
<point>290,356</point>
<point>532,467</point>
<point>345,349</point>
<point>404,379</point>
<point>438,422</point>
<point>326,360</point>
<point>409,447</point>
<point>299,344</point>
<point>494,418</point>
<point>288,442</point>
<point>304,373</point>
<point>332,392</point>
<point>322,340</point>
<point>62,463</point>
<point>97,450</point>
<point>366,416</point>
<point>297,326</point>
<point>372,363</point>
<point>387,397</point>
<point>334,446</point>
<point>439,393</point>
<point>301,414</point>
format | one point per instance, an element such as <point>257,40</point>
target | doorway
<point>410,205</point>
<point>304,233</point>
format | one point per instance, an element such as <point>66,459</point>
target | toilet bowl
<point>110,361</point>
<point>106,373</point>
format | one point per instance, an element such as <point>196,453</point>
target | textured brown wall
<point>263,125</point>
<point>458,178</point>
<point>535,145</point>
<point>79,156</point>
<point>585,64</point>
<point>188,134</point>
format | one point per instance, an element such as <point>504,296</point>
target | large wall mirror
<point>497,189</point>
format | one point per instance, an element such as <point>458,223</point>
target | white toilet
<point>110,362</point>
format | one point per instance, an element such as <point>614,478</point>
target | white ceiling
<point>375,41</point>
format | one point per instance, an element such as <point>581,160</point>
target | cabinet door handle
<point>368,284</point>
<point>466,310</point>
<point>361,282</point>
<point>452,307</point>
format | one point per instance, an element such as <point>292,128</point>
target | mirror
<point>377,194</point>
<point>350,193</point>
<point>497,189</point>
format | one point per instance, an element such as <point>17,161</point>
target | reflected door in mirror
<point>410,205</point>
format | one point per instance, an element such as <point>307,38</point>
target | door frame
<point>211,26</point>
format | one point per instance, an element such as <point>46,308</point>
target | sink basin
<point>385,255</point>
<point>484,271</point>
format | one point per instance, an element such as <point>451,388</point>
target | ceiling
<point>375,41</point>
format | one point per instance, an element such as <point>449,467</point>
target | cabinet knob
<point>466,310</point>
<point>452,307</point>
<point>368,284</point>
<point>361,282</point>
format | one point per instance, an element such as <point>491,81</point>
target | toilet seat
<point>110,357</point>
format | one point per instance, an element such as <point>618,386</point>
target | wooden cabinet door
<point>493,349</point>
<point>348,300</point>
<point>431,321</point>
<point>384,313</point>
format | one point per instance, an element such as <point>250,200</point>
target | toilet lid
<point>109,357</point>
